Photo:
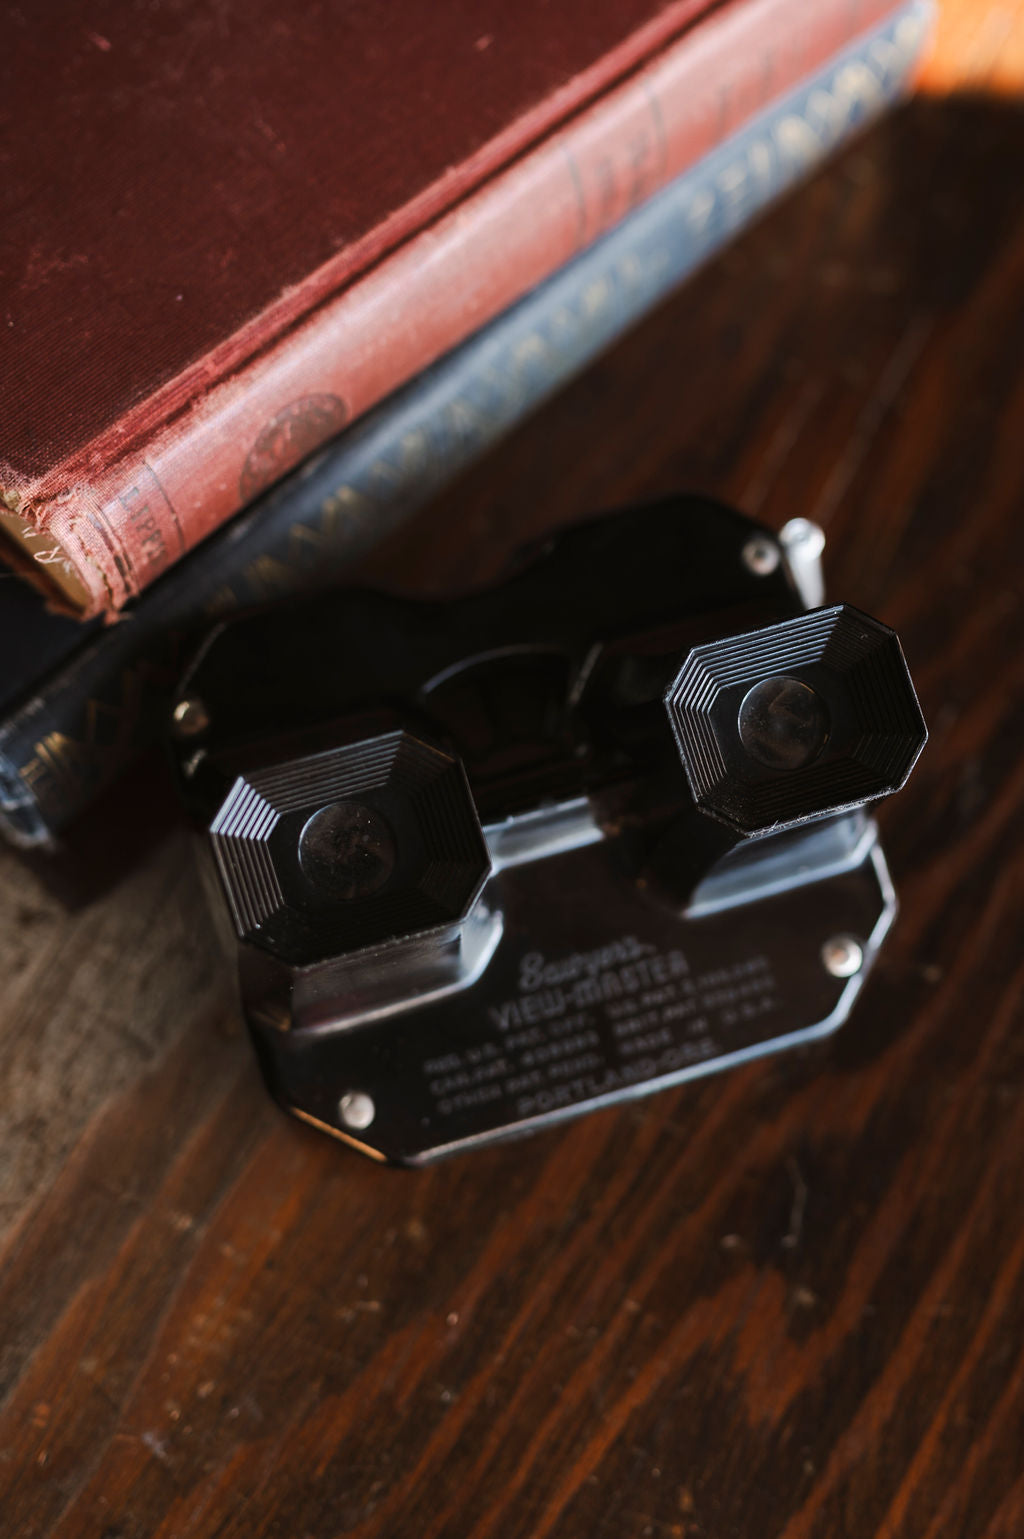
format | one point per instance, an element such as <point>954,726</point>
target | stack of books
<point>274,278</point>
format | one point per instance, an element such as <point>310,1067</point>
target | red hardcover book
<point>230,227</point>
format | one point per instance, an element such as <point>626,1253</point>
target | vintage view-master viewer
<point>490,862</point>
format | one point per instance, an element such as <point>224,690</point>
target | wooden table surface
<point>785,1303</point>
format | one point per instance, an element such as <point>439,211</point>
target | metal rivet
<point>760,556</point>
<point>190,717</point>
<point>356,1109</point>
<point>843,956</point>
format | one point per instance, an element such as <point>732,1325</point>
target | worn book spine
<point>127,509</point>
<point>73,733</point>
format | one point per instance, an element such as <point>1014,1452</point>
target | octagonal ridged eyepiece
<point>362,844</point>
<point>809,717</point>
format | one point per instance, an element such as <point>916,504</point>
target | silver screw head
<point>843,956</point>
<point>193,762</point>
<point>356,1110</point>
<point>190,717</point>
<point>760,556</point>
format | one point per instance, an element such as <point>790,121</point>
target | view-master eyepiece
<point>808,717</point>
<point>334,851</point>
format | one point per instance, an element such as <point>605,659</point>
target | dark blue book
<point>77,704</point>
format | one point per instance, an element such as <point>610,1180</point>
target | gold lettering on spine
<point>596,296</point>
<point>348,500</point>
<point>827,114</point>
<point>887,55</point>
<point>60,763</point>
<point>797,141</point>
<point>858,85</point>
<point>732,184</point>
<point>701,207</point>
<point>762,163</point>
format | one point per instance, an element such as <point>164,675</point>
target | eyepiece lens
<point>347,850</point>
<point>783,723</point>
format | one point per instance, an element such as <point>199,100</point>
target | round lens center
<point>347,850</point>
<point>783,723</point>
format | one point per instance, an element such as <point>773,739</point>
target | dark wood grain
<point>786,1303</point>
